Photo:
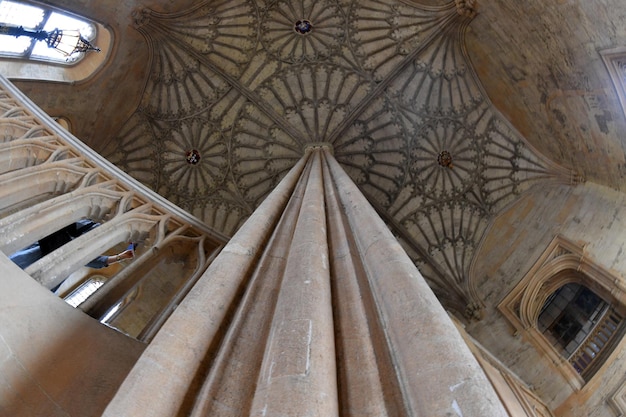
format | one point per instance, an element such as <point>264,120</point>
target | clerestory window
<point>36,17</point>
<point>25,58</point>
<point>85,290</point>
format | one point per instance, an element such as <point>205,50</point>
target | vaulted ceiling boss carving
<point>237,89</point>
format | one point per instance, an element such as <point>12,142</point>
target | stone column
<point>435,372</point>
<point>298,374</point>
<point>313,309</point>
<point>178,360</point>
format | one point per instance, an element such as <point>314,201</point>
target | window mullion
<point>40,26</point>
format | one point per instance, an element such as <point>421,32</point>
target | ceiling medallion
<point>303,26</point>
<point>192,157</point>
<point>444,159</point>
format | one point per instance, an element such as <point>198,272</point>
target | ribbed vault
<point>318,312</point>
<point>238,89</point>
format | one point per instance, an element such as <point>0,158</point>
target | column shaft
<point>437,373</point>
<point>176,360</point>
<point>298,376</point>
<point>312,309</point>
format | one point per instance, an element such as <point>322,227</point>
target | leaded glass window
<point>35,17</point>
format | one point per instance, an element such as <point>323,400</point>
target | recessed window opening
<point>84,291</point>
<point>569,308</point>
<point>579,324</point>
<point>38,17</point>
<point>615,61</point>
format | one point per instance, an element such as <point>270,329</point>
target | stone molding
<point>386,83</point>
<point>50,179</point>
<point>506,382</point>
<point>618,400</point>
<point>615,61</point>
<point>562,262</point>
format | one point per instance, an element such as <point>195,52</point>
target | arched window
<point>615,61</point>
<point>35,17</point>
<point>570,309</point>
<point>28,59</point>
<point>580,325</point>
<point>85,290</point>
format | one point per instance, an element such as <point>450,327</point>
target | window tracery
<point>28,59</point>
<point>570,310</point>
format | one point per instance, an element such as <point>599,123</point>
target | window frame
<point>26,69</point>
<point>47,14</point>
<point>82,290</point>
<point>562,262</point>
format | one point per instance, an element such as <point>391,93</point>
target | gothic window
<point>569,308</point>
<point>35,17</point>
<point>25,58</point>
<point>84,290</point>
<point>580,325</point>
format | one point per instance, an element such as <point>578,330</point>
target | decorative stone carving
<point>387,84</point>
<point>615,61</point>
<point>561,263</point>
<point>467,8</point>
<point>50,179</point>
<point>284,24</point>
<point>618,400</point>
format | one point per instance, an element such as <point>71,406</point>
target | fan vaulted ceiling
<point>236,90</point>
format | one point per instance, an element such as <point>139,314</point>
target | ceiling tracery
<point>249,84</point>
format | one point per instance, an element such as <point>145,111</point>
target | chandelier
<point>67,42</point>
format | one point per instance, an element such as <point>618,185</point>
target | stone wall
<point>55,361</point>
<point>593,217</point>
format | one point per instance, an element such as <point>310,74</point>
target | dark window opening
<point>581,326</point>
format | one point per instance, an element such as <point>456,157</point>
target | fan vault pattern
<point>244,86</point>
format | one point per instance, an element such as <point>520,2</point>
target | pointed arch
<point>563,267</point>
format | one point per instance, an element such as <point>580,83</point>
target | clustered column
<point>312,308</point>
